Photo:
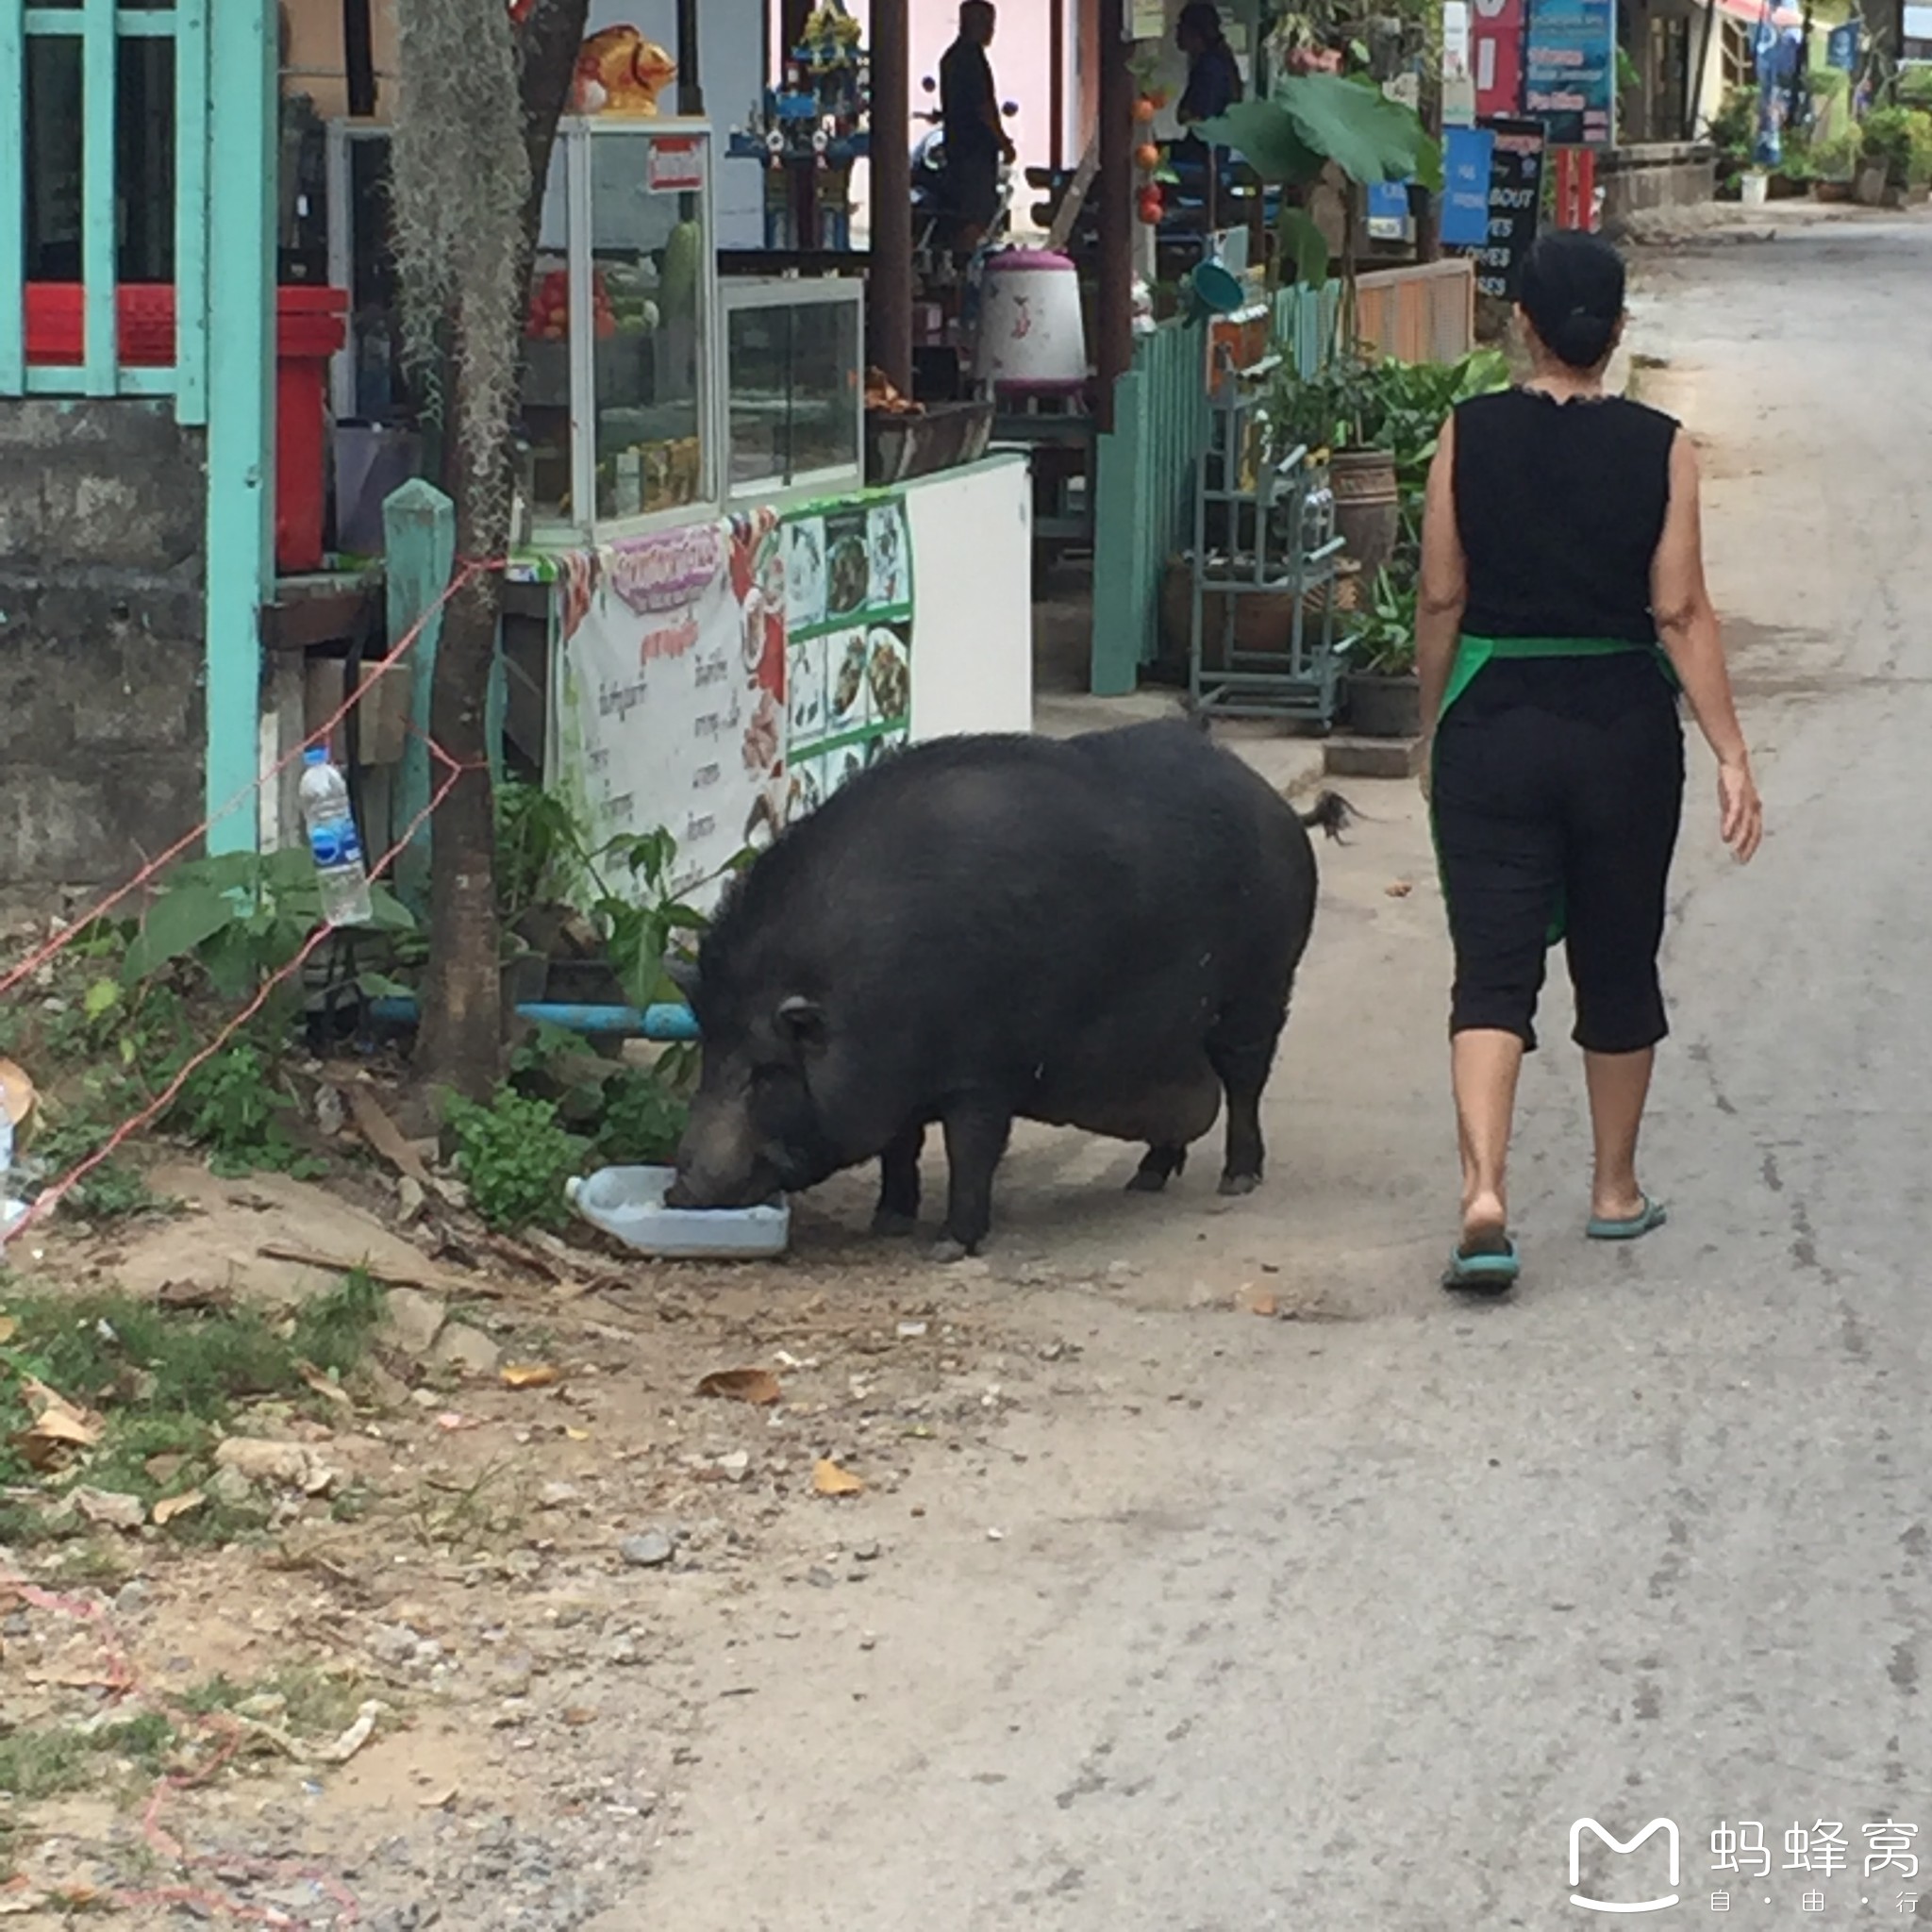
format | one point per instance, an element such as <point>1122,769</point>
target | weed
<point>644,1117</point>
<point>167,1383</point>
<point>516,1157</point>
<point>314,1703</point>
<point>231,1104</point>
<point>45,1762</point>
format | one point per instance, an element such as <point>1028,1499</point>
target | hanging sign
<point>677,165</point>
<point>1495,57</point>
<point>1466,153</point>
<point>1570,69</point>
<point>1513,176</point>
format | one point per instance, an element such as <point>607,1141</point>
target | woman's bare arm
<point>1687,622</point>
<point>1443,588</point>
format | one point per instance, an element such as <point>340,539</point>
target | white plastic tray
<point>628,1202</point>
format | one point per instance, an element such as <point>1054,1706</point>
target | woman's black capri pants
<point>1535,810</point>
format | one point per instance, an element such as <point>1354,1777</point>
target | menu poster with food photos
<point>671,691</point>
<point>848,644</point>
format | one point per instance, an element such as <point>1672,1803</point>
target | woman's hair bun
<point>1572,293</point>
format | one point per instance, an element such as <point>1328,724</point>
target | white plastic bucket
<point>1754,188</point>
<point>1031,337</point>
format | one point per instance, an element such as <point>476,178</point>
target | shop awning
<point>1752,11</point>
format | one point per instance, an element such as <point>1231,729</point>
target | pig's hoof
<point>1147,1180</point>
<point>947,1249</point>
<point>889,1222</point>
<point>1239,1183</point>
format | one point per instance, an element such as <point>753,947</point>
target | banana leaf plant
<point>1310,120</point>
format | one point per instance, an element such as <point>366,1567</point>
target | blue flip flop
<point>1489,1269</point>
<point>1652,1214</point>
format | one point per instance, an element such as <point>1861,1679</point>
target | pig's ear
<point>682,974</point>
<point>803,1023</point>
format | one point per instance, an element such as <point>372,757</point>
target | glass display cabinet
<point>620,396</point>
<point>795,384</point>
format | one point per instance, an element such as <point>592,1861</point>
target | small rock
<point>911,1331</point>
<point>819,1577</point>
<point>410,1200</point>
<point>393,1645</point>
<point>468,1349</point>
<point>110,1508</point>
<point>866,1553</point>
<point>328,1110</point>
<point>557,1495</point>
<point>736,1466</point>
<point>132,1598</point>
<point>647,1551</point>
<point>412,1322</point>
<point>626,1650</point>
<point>229,1485</point>
<point>867,1640</point>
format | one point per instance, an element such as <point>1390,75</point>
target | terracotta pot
<point>1262,619</point>
<point>1368,510</point>
<point>1384,707</point>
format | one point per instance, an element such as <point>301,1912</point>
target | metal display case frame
<point>742,294</point>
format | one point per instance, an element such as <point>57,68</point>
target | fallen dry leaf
<point>1399,889</point>
<point>58,1426</point>
<point>449,1421</point>
<point>16,1092</point>
<point>8,1328</point>
<point>575,1435</point>
<point>828,1479</point>
<point>438,1801</point>
<point>352,1739</point>
<point>531,1376</point>
<point>163,1469</point>
<point>579,1715</point>
<point>1264,1305</point>
<point>111,1507</point>
<point>756,1386</point>
<point>329,1389</point>
<point>170,1506</point>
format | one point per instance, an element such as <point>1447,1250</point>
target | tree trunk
<point>460,1044</point>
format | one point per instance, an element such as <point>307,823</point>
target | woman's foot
<point>1485,1223</point>
<point>1627,1219</point>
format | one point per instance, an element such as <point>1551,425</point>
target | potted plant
<point>1382,693</point>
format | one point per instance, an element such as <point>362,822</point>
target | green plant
<point>242,917</point>
<point>231,1105</point>
<point>1381,638</point>
<point>514,1157</point>
<point>1901,140</point>
<point>1734,126</point>
<point>644,1117</point>
<point>1362,401</point>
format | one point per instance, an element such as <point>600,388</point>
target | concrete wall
<point>1662,174</point>
<point>101,663</point>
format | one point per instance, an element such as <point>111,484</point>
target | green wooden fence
<point>1144,475</point>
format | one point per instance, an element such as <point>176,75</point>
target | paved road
<point>1338,1624</point>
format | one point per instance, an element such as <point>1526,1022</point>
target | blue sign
<point>1389,201</point>
<point>1842,47</point>
<point>1570,69</point>
<point>1467,152</point>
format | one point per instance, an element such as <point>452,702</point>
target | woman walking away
<point>1562,610</point>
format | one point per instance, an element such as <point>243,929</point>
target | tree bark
<point>460,1044</point>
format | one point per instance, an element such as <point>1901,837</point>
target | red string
<point>465,575</point>
<point>51,1195</point>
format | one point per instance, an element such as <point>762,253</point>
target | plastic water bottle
<point>12,1213</point>
<point>333,842</point>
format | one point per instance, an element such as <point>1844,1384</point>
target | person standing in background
<point>1214,76</point>
<point>975,139</point>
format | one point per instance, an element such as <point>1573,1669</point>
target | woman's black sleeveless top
<point>1560,506</point>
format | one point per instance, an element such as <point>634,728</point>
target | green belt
<point>1473,653</point>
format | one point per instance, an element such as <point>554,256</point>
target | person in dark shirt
<point>1562,613</point>
<point>975,139</point>
<point>1214,78</point>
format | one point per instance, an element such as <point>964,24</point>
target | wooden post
<point>1113,306</point>
<point>418,529</point>
<point>240,518</point>
<point>690,91</point>
<point>891,274</point>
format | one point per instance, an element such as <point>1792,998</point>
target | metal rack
<point>1262,531</point>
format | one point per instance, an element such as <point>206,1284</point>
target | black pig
<point>1100,933</point>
